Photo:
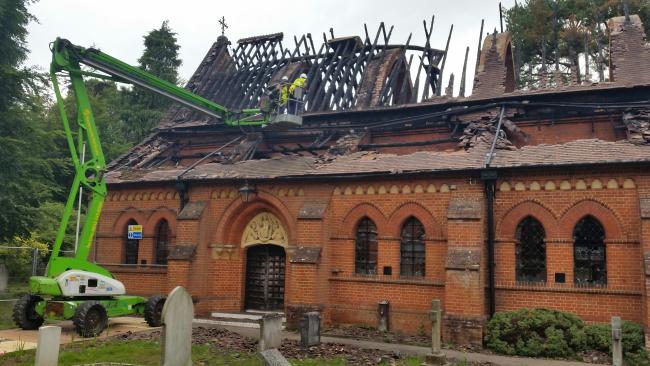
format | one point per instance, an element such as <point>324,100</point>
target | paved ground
<point>13,339</point>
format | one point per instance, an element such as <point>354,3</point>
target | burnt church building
<point>395,190</point>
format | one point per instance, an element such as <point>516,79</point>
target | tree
<point>26,177</point>
<point>145,109</point>
<point>553,35</point>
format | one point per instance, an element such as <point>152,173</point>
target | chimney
<point>496,71</point>
<point>629,54</point>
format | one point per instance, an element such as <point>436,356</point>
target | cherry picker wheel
<point>90,319</point>
<point>25,315</point>
<point>153,310</point>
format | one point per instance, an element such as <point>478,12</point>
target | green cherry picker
<point>72,287</point>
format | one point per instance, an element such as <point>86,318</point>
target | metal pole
<point>81,191</point>
<point>34,261</point>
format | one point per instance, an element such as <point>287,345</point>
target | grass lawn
<point>148,353</point>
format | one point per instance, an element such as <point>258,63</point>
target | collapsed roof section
<point>371,104</point>
<point>344,73</point>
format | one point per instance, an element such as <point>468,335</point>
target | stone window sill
<point>117,268</point>
<point>388,280</point>
<point>567,287</point>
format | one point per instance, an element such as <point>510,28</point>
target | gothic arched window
<point>162,242</point>
<point>530,251</point>
<point>365,259</point>
<point>412,248</point>
<point>589,259</point>
<point>131,246</point>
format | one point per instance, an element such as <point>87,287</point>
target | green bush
<point>536,333</point>
<point>551,333</point>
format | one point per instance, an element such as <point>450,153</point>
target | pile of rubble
<point>638,125</point>
<point>483,131</point>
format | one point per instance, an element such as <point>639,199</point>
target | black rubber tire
<point>90,319</point>
<point>24,313</point>
<point>153,310</point>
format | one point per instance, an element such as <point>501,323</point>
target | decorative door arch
<point>265,239</point>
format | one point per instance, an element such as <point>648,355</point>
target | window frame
<point>366,247</point>
<point>408,234</point>
<point>525,252</point>
<point>160,255</point>
<point>130,244</point>
<point>597,239</point>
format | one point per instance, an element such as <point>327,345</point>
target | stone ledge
<point>568,289</point>
<point>383,280</point>
<point>117,268</point>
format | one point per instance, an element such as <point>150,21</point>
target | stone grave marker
<point>436,357</point>
<point>47,348</point>
<point>177,316</point>
<point>270,332</point>
<point>617,341</point>
<point>310,330</point>
<point>273,357</point>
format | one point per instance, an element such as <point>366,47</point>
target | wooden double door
<point>265,266</point>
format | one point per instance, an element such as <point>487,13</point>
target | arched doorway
<point>265,239</point>
<point>265,277</point>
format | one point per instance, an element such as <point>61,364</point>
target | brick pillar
<point>306,278</point>
<point>464,315</point>
<point>644,204</point>
<point>178,273</point>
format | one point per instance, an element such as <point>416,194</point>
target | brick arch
<point>131,213</point>
<point>161,213</point>
<point>589,206</point>
<point>238,214</point>
<point>349,223</point>
<point>507,226</point>
<point>409,209</point>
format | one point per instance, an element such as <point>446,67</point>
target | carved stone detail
<point>265,228</point>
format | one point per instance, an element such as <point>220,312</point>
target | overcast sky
<point>117,26</point>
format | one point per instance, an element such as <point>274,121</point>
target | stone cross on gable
<point>224,26</point>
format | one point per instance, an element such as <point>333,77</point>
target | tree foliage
<point>37,172</point>
<point>145,109</point>
<point>556,34</point>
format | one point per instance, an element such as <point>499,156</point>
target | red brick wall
<point>216,275</point>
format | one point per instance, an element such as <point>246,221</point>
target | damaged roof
<point>579,152</point>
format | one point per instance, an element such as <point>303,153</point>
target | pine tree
<point>144,109</point>
<point>559,29</point>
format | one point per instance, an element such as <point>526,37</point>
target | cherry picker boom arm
<point>89,174</point>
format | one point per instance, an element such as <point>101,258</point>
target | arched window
<point>589,265</point>
<point>412,248</point>
<point>131,246</point>
<point>162,242</point>
<point>365,260</point>
<point>530,251</point>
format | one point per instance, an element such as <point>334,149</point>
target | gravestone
<point>270,331</point>
<point>47,348</point>
<point>436,357</point>
<point>382,314</point>
<point>617,341</point>
<point>273,357</point>
<point>177,316</point>
<point>310,330</point>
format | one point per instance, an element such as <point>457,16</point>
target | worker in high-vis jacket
<point>284,93</point>
<point>296,92</point>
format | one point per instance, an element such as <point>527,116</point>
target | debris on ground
<point>235,343</point>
